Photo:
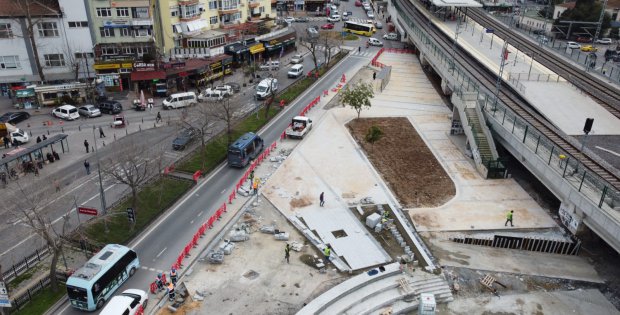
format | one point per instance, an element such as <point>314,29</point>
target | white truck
<point>299,127</point>
<point>14,134</point>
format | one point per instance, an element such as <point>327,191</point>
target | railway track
<point>606,95</point>
<point>507,95</point>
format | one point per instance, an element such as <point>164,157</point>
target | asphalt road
<point>159,246</point>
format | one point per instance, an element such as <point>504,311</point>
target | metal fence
<point>20,301</point>
<point>26,264</point>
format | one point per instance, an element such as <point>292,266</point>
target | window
<point>104,12</point>
<point>176,28</point>
<point>48,29</point>
<point>54,60</point>
<point>127,50</point>
<point>212,5</point>
<point>229,4</point>
<point>80,55</point>
<point>174,11</point>
<point>125,32</point>
<point>6,31</point>
<point>188,11</point>
<point>124,70</point>
<point>106,32</point>
<point>213,20</point>
<point>109,51</point>
<point>9,62</point>
<point>78,24</point>
<point>141,13</point>
<point>122,12</point>
<point>142,32</point>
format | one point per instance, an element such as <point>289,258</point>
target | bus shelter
<point>22,160</point>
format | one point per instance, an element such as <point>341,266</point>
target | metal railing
<point>26,264</point>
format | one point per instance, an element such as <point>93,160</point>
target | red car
<point>583,39</point>
<point>358,3</point>
<point>327,26</point>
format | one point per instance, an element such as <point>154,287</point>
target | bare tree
<point>30,202</point>
<point>310,43</point>
<point>226,111</point>
<point>132,167</point>
<point>33,11</point>
<point>329,41</point>
<point>201,119</point>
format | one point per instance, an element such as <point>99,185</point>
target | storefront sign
<point>143,66</point>
<point>273,42</point>
<point>115,23</point>
<point>257,48</point>
<point>183,74</point>
<point>216,65</point>
<point>24,93</point>
<point>106,66</point>
<point>174,65</point>
<point>126,65</point>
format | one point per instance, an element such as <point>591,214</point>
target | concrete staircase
<point>364,294</point>
<point>484,149</point>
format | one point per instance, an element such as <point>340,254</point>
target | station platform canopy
<point>457,3</point>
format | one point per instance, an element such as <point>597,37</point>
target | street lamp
<point>101,191</point>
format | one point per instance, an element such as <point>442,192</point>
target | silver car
<point>89,111</point>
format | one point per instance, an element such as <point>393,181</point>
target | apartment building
<point>123,34</point>
<point>59,47</point>
<point>201,28</point>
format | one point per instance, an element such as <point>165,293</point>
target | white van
<point>210,95</point>
<point>179,100</point>
<point>266,88</point>
<point>270,65</point>
<point>66,112</point>
<point>127,303</point>
<point>296,71</point>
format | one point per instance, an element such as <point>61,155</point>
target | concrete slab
<point>516,261</point>
<point>578,302</point>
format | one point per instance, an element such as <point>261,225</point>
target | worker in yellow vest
<point>327,252</point>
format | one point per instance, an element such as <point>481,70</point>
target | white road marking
<point>199,214</point>
<point>162,251</point>
<point>223,191</point>
<point>191,222</point>
<point>609,151</point>
<point>151,269</point>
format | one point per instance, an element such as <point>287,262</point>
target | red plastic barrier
<point>195,239</point>
<point>186,250</point>
<point>153,287</point>
<point>224,207</point>
<point>274,145</point>
<point>325,92</point>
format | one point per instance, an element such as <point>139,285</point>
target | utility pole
<point>101,191</point>
<point>498,83</point>
<point>600,21</point>
<point>456,37</point>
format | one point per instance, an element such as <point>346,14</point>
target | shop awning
<point>257,49</point>
<point>147,75</point>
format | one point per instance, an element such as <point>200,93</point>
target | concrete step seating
<point>379,300</point>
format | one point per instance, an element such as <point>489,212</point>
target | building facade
<point>59,47</point>
<point>192,28</point>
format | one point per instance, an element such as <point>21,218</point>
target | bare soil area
<point>405,162</point>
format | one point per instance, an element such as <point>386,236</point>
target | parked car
<point>390,36</point>
<point>370,14</point>
<point>234,86</point>
<point>358,3</point>
<point>366,6</point>
<point>110,107</point>
<point>66,112</point>
<point>225,89</point>
<point>296,71</point>
<point>89,111</point>
<point>327,26</point>
<point>297,58</point>
<point>374,42</point>
<point>334,18</point>
<point>378,25</point>
<point>573,45</point>
<point>589,48</point>
<point>312,32</point>
<point>584,39</point>
<point>127,303</point>
<point>210,95</point>
<point>610,54</point>
<point>302,19</point>
<point>185,137</point>
<point>14,117</point>
<point>289,19</point>
<point>604,41</point>
<point>539,32</point>
<point>270,65</point>
<point>345,16</point>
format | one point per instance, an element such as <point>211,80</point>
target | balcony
<point>253,4</point>
<point>141,22</point>
<point>228,10</point>
<point>188,2</point>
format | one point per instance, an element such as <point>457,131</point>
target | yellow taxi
<point>589,48</point>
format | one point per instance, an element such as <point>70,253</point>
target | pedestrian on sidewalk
<point>374,75</point>
<point>87,166</point>
<point>38,139</point>
<point>509,218</point>
<point>86,145</point>
<point>322,199</point>
<point>252,176</point>
<point>101,134</point>
<point>359,49</point>
<point>6,142</point>
<point>56,184</point>
<point>158,118</point>
<point>287,253</point>
<point>44,138</point>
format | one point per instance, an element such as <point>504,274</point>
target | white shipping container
<point>427,304</point>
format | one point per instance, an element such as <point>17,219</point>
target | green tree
<point>373,135</point>
<point>587,11</point>
<point>358,97</point>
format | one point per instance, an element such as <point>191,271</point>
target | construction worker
<point>327,252</point>
<point>170,291</point>
<point>173,275</point>
<point>255,186</point>
<point>509,218</point>
<point>287,253</point>
<point>159,282</point>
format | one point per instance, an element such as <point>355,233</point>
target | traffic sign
<point>88,211</point>
<point>490,30</point>
<point>4,296</point>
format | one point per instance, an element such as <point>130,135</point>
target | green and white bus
<point>359,28</point>
<point>90,286</point>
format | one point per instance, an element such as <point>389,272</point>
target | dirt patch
<point>300,202</point>
<point>404,161</point>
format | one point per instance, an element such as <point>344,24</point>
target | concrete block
<point>372,220</point>
<point>283,236</point>
<point>378,227</point>
<point>197,297</point>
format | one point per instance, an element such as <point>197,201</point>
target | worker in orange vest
<point>170,291</point>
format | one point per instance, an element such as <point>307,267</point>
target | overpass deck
<point>551,95</point>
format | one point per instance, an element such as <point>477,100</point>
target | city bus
<point>246,148</point>
<point>92,284</point>
<point>359,28</point>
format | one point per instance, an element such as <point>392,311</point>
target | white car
<point>390,36</point>
<point>573,45</point>
<point>334,18</point>
<point>374,42</point>
<point>370,14</point>
<point>66,112</point>
<point>225,89</point>
<point>127,303</point>
<point>604,41</point>
<point>297,58</point>
<point>289,19</point>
